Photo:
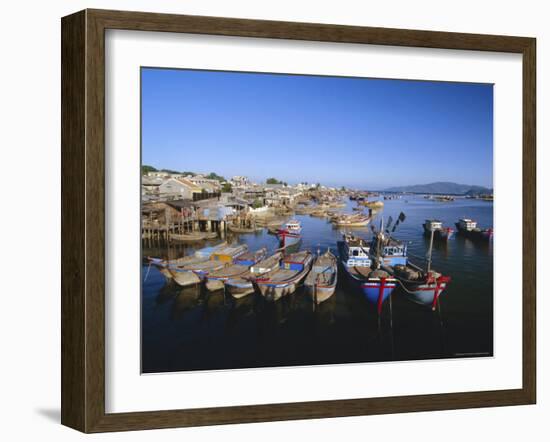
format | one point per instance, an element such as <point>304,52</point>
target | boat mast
<point>430,249</point>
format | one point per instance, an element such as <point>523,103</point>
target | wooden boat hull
<point>320,294</point>
<point>241,266</point>
<point>239,288</point>
<point>476,235</point>
<point>201,255</point>
<point>165,272</point>
<point>214,284</point>
<point>196,273</point>
<point>235,229</point>
<point>353,224</point>
<point>375,286</point>
<point>425,293</point>
<point>273,290</point>
<point>289,239</point>
<point>444,234</point>
<point>165,268</point>
<point>321,281</point>
<point>187,238</point>
<point>372,204</point>
<point>375,290</point>
<point>184,278</point>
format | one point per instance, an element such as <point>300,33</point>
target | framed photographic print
<point>270,220</point>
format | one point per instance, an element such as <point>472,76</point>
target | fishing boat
<point>243,285</point>
<point>188,237</point>
<point>372,204</point>
<point>191,237</point>
<point>290,234</point>
<point>355,220</point>
<point>440,233</point>
<point>198,256</point>
<point>195,272</point>
<point>320,213</point>
<point>468,228</point>
<point>422,286</point>
<point>444,199</point>
<point>375,283</point>
<point>283,280</point>
<point>320,283</point>
<point>239,229</point>
<point>241,264</point>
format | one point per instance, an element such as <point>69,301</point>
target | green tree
<point>215,176</point>
<point>273,181</point>
<point>257,203</point>
<point>169,171</point>
<point>226,188</point>
<point>145,169</point>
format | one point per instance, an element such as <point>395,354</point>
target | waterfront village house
<point>150,186</point>
<point>165,212</point>
<point>278,195</point>
<point>240,181</point>
<point>163,174</point>
<point>180,188</point>
<point>209,185</point>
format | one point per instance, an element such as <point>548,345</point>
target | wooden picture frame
<point>83,220</point>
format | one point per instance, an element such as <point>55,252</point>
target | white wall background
<point>30,147</point>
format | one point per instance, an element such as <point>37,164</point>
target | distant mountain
<point>443,188</point>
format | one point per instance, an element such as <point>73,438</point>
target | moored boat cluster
<point>376,267</point>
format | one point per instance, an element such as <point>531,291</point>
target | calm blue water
<point>190,329</point>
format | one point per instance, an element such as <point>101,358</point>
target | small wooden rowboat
<point>372,204</point>
<point>196,272</point>
<point>355,220</point>
<point>192,237</point>
<point>241,265</point>
<point>244,284</point>
<point>321,282</point>
<point>284,280</point>
<point>238,229</point>
<point>200,255</point>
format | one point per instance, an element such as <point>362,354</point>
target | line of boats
<point>376,267</point>
<point>465,226</point>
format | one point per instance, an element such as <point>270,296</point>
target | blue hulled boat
<point>422,286</point>
<point>375,283</point>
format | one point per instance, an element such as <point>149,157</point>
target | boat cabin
<point>467,224</point>
<point>356,252</point>
<point>296,261</point>
<point>392,251</point>
<point>433,224</point>
<point>293,225</point>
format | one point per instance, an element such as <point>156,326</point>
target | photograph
<point>302,220</point>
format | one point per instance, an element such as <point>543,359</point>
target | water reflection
<point>190,329</point>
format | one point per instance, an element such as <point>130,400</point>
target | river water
<point>190,329</point>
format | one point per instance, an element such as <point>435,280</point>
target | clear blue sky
<point>356,132</point>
